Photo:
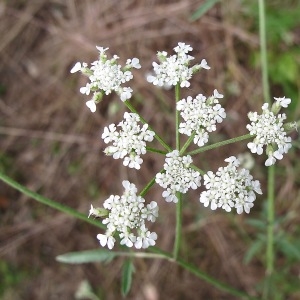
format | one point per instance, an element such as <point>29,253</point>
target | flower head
<point>126,215</point>
<point>130,142</point>
<point>177,176</point>
<point>201,116</point>
<point>175,69</point>
<point>269,131</point>
<point>105,76</point>
<point>230,187</point>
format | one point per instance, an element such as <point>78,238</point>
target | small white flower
<point>91,105</point>
<point>134,63</point>
<point>126,94</point>
<point>204,64</point>
<point>101,49</point>
<point>183,48</point>
<point>127,239</point>
<point>178,176</point>
<point>151,211</point>
<point>283,102</point>
<point>76,68</point>
<point>217,94</point>
<point>145,238</point>
<point>229,188</point>
<point>85,90</point>
<point>106,240</point>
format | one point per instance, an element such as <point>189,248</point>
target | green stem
<point>177,242</point>
<point>49,202</point>
<point>221,286</point>
<point>270,228</point>
<point>202,275</point>
<point>263,50</point>
<point>197,169</point>
<point>150,149</point>
<point>160,140</point>
<point>219,144</point>
<point>178,233</point>
<point>187,143</point>
<point>177,96</point>
<point>148,186</point>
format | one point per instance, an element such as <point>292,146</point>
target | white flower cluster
<point>130,142</point>
<point>200,115</point>
<point>105,76</point>
<point>175,69</point>
<point>268,131</point>
<point>230,187</point>
<point>177,176</point>
<point>127,215</point>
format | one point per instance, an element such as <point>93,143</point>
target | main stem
<point>270,227</point>
<point>263,50</point>
<point>178,194</point>
<point>271,169</point>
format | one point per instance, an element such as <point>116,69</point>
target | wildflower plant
<point>231,188</point>
<point>126,219</point>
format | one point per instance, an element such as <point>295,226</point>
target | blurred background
<point>50,142</point>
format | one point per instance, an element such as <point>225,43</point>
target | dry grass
<point>50,142</point>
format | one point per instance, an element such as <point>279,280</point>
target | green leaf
<point>127,272</point>
<point>203,9</point>
<point>260,224</point>
<point>96,255</point>
<point>290,250</point>
<point>253,249</point>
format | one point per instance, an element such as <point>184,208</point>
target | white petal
<point>102,239</point>
<point>76,68</point>
<point>204,64</point>
<point>135,63</point>
<point>110,242</point>
<point>91,105</point>
<point>217,94</point>
<point>278,155</point>
<point>270,161</point>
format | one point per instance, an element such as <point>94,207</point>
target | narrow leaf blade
<point>88,256</point>
<point>127,272</point>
